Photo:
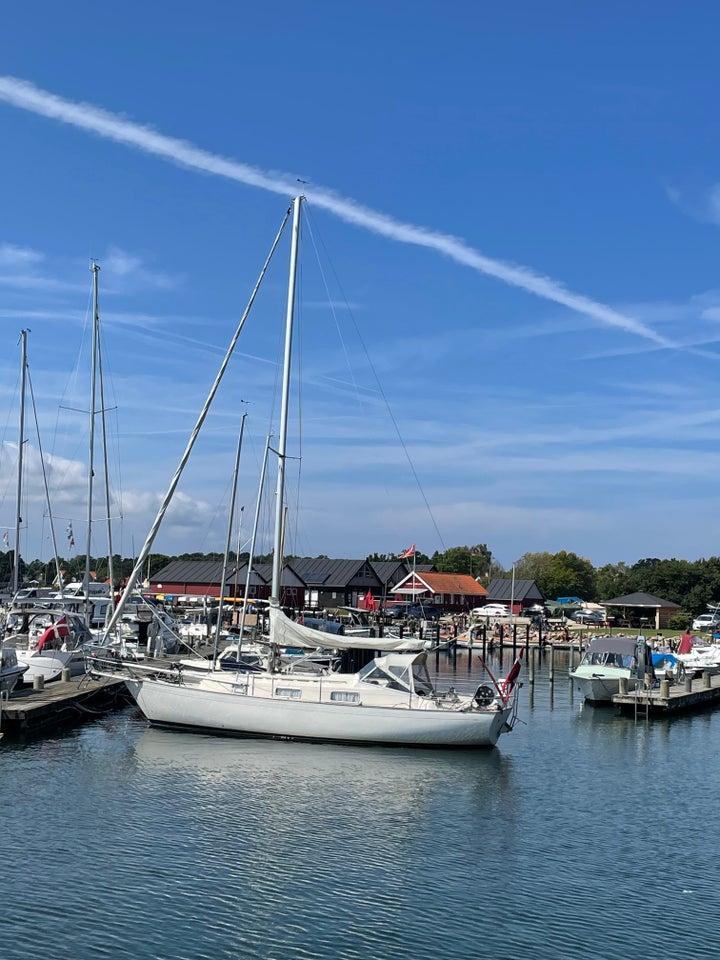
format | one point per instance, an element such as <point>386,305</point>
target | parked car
<point>491,610</point>
<point>706,621</point>
<point>589,616</point>
<point>396,611</point>
<point>424,611</point>
<point>421,611</point>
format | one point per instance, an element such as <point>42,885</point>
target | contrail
<point>27,96</point>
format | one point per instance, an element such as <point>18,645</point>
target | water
<point>582,835</point>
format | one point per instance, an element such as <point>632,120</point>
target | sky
<point>508,310</point>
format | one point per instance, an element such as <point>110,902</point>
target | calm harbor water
<point>582,835</point>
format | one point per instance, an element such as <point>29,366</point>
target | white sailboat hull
<point>235,713</point>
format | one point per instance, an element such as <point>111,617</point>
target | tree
<point>476,561</point>
<point>559,574</point>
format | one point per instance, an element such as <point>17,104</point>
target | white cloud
<point>14,256</point>
<point>87,117</point>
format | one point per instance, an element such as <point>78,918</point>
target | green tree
<point>476,560</point>
<point>559,574</point>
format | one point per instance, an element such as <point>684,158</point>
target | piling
<point>531,667</point>
<point>65,676</point>
<point>706,679</point>
<point>622,686</point>
<point>688,684</point>
<point>39,682</point>
<point>665,688</point>
<point>551,664</point>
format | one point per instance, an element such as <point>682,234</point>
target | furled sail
<point>287,633</point>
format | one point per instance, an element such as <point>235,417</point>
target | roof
<point>500,588</point>
<point>191,571</point>
<point>457,583</point>
<point>389,572</point>
<point>335,574</point>
<point>641,600</point>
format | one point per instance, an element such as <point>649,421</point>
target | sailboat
<point>391,700</point>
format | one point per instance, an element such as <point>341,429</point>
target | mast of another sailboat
<point>91,455</point>
<point>21,444</point>
<point>284,406</point>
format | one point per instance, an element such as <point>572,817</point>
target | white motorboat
<point>390,700</point>
<point>703,658</point>
<point>608,660</point>
<point>11,672</point>
<point>46,641</point>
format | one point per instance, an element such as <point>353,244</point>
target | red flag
<point>407,553</point>
<point>508,683</point>
<point>369,601</point>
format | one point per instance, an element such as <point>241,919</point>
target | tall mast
<point>21,444</point>
<point>91,455</point>
<point>282,446</point>
<point>231,518</point>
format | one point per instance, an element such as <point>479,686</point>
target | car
<point>424,611</point>
<point>491,610</point>
<point>589,616</point>
<point>396,611</point>
<point>706,621</point>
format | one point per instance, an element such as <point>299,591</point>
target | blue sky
<point>509,298</point>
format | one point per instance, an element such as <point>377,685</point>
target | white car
<point>492,610</point>
<point>706,621</point>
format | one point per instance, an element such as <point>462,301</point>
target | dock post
<point>39,682</point>
<point>531,667</point>
<point>664,689</point>
<point>551,665</point>
<point>706,679</point>
<point>688,684</point>
<point>622,686</point>
<point>65,676</point>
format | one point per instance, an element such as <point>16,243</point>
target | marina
<point>264,849</point>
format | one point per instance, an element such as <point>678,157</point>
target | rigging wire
<point>368,357</point>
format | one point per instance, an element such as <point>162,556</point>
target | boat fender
<point>484,695</point>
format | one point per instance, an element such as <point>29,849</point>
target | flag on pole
<point>506,687</point>
<point>71,538</point>
<point>6,539</point>
<point>407,553</point>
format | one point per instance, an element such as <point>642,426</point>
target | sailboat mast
<point>21,445</point>
<point>91,455</point>
<point>284,407</point>
<point>226,555</point>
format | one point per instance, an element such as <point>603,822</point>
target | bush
<point>680,620</point>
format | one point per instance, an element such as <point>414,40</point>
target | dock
<point>59,704</point>
<point>669,698</point>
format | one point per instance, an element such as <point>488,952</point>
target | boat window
<point>371,673</point>
<point>401,674</point>
<point>294,693</point>
<point>345,696</point>
<point>421,679</point>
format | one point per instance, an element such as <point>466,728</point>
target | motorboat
<point>47,641</point>
<point>11,672</point>
<point>703,658</point>
<point>607,661</point>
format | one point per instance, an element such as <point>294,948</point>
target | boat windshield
<point>396,676</point>
<point>403,674</point>
<point>607,659</point>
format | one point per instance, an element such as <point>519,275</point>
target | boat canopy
<point>624,645</point>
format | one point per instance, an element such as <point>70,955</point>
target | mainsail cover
<point>286,633</point>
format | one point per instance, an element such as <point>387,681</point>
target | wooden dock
<point>670,698</point>
<point>59,704</point>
